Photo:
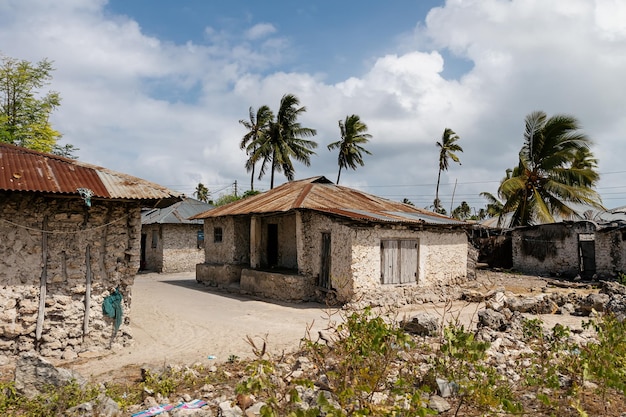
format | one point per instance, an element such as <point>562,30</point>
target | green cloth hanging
<point>112,307</point>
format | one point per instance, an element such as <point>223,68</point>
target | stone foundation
<point>277,286</point>
<point>218,275</point>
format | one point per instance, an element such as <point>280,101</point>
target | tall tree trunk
<point>338,175</point>
<point>437,190</point>
<point>252,178</point>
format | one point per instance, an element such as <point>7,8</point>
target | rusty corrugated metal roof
<point>322,195</point>
<point>23,169</point>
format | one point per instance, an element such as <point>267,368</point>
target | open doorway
<point>587,254</point>
<point>272,245</point>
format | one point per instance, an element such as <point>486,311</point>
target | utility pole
<point>235,188</point>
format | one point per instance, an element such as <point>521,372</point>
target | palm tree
<point>284,139</point>
<point>555,168</point>
<point>494,206</point>
<point>202,192</point>
<point>462,212</point>
<point>257,127</point>
<point>353,136</point>
<point>447,148</point>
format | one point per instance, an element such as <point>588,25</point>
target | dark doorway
<point>272,245</point>
<point>142,258</point>
<point>324,280</point>
<point>587,253</point>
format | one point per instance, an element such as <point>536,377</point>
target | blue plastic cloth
<point>112,307</point>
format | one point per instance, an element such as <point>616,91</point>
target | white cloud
<point>169,112</point>
<point>260,30</point>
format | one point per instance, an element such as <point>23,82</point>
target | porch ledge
<point>277,285</point>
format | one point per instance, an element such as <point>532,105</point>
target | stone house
<point>69,236</point>
<point>170,241</point>
<point>308,239</point>
<point>571,248</point>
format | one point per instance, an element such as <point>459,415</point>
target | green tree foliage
<point>353,136</point>
<point>447,148</point>
<point>226,199</point>
<point>229,198</point>
<point>257,128</point>
<point>282,139</point>
<point>462,212</point>
<point>556,169</point>
<point>24,111</point>
<point>202,193</point>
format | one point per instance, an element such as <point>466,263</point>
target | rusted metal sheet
<point>322,195</point>
<point>27,170</point>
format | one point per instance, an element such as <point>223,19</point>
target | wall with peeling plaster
<point>102,242</point>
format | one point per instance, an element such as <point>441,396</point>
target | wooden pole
<point>452,201</point>
<point>87,293</point>
<point>42,281</point>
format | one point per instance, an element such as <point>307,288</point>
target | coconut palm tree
<point>556,169</point>
<point>462,212</point>
<point>285,139</point>
<point>202,192</point>
<point>447,148</point>
<point>353,136</point>
<point>257,127</point>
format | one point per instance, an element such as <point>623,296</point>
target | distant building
<point>308,239</point>
<point>170,241</point>
<point>589,249</point>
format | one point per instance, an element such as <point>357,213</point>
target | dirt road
<point>175,320</point>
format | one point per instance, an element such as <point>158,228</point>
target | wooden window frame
<point>399,261</point>
<point>218,234</point>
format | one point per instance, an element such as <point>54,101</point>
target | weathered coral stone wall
<point>610,252</point>
<point>176,249</point>
<point>356,259</point>
<point>102,242</point>
<point>549,248</point>
<point>180,247</point>
<point>310,257</point>
<point>442,260</point>
<point>234,248</point>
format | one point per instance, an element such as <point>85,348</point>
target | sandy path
<point>175,320</point>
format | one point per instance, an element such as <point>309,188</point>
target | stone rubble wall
<point>611,252</point>
<point>109,231</point>
<point>235,245</point>
<point>549,249</point>
<point>442,262</point>
<point>176,249</point>
<point>356,260</point>
<point>180,247</point>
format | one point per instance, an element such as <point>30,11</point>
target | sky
<point>156,88</point>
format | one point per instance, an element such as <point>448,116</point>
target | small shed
<point>70,236</point>
<point>170,240</point>
<point>308,239</point>
<point>585,248</point>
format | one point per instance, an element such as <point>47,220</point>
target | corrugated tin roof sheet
<point>322,195</point>
<point>23,169</point>
<point>178,213</point>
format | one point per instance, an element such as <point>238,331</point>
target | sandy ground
<point>175,320</point>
